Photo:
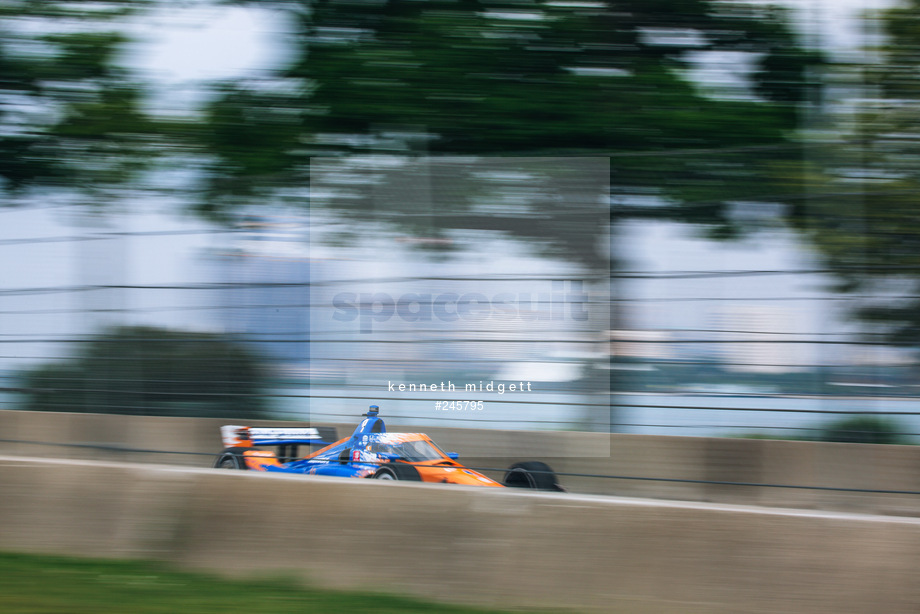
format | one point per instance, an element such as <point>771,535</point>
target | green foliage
<point>858,190</point>
<point>69,116</point>
<point>502,79</point>
<point>151,371</point>
<point>857,429</point>
<point>607,78</point>
<point>864,429</point>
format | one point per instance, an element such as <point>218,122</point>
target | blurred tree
<point>69,116</point>
<point>151,371</point>
<point>503,79</point>
<point>552,78</point>
<point>864,429</point>
<point>860,183</point>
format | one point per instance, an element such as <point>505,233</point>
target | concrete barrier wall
<point>659,458</point>
<point>497,548</point>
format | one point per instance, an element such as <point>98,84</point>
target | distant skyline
<point>689,287</point>
<point>154,247</point>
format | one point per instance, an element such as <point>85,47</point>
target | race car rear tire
<point>531,474</point>
<point>407,473</point>
<point>231,458</point>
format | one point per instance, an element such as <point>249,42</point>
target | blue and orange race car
<point>370,452</point>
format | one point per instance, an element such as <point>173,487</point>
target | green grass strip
<point>32,584</point>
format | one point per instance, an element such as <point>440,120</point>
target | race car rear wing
<point>247,436</point>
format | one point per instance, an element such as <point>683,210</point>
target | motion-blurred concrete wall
<point>496,547</point>
<point>798,474</point>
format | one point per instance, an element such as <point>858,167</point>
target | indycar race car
<point>370,452</point>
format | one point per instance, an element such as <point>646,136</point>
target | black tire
<point>407,473</point>
<point>531,474</point>
<point>231,458</point>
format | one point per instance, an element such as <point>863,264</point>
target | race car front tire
<point>398,472</point>
<point>531,474</point>
<point>231,458</point>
